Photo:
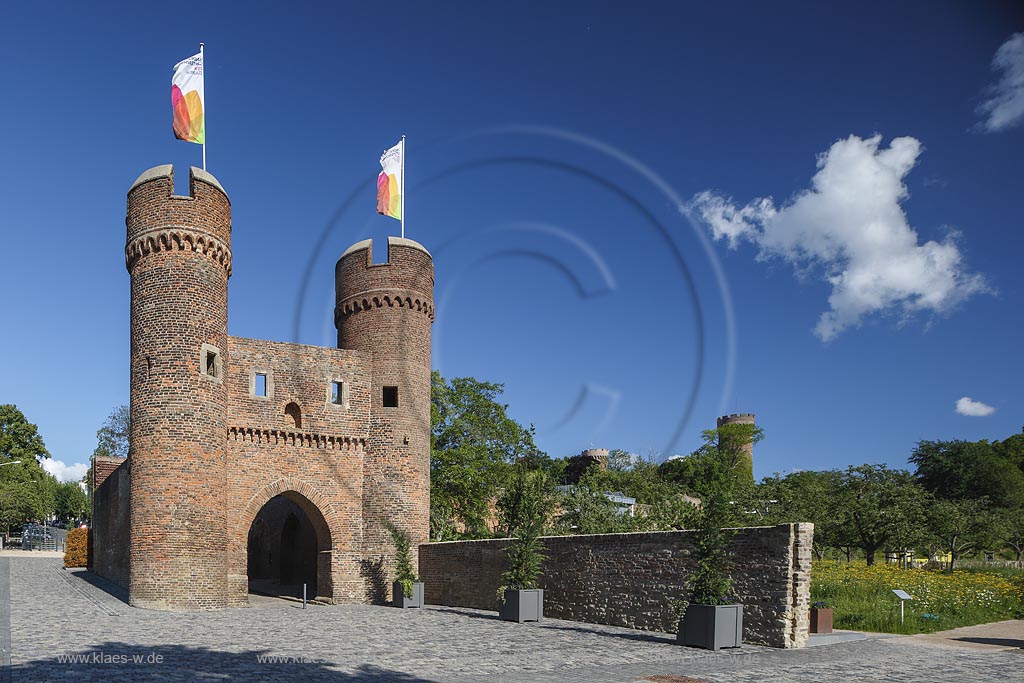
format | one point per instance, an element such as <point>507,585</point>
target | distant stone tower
<point>748,446</point>
<point>178,254</point>
<point>386,308</point>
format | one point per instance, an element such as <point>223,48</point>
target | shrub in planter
<point>406,591</point>
<point>710,620</point>
<point>76,548</point>
<point>524,507</point>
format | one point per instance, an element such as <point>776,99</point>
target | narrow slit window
<point>210,362</point>
<point>338,393</point>
<point>260,388</point>
<point>390,397</point>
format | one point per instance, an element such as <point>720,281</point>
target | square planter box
<point>522,605</point>
<point>821,620</point>
<point>399,598</point>
<point>712,626</point>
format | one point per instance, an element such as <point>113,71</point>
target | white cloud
<point>1004,107</point>
<point>850,226</point>
<point>968,406</point>
<point>64,472</point>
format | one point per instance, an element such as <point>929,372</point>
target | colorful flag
<point>389,182</point>
<point>187,98</point>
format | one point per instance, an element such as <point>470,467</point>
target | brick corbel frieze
<point>177,239</point>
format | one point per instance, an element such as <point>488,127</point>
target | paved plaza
<point>58,625</point>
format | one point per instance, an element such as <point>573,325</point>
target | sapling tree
<point>405,575</point>
<point>524,507</point>
<point>724,449</point>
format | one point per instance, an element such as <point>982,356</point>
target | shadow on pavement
<point>116,661</point>
<point>1002,642</point>
<point>625,634</point>
<point>104,585</point>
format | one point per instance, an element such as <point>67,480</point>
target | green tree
<point>19,438</point>
<point>71,500</point>
<point>31,489</point>
<point>530,494</point>
<point>405,575</point>
<point>524,506</point>
<point>964,526</point>
<point>806,496</point>
<point>967,470</point>
<point>882,508</point>
<point>724,450</point>
<point>473,444</point>
<point>720,463</point>
<point>1012,522</point>
<point>587,510</point>
<point>112,437</point>
<point>673,513</point>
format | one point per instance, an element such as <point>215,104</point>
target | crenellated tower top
<point>158,220</point>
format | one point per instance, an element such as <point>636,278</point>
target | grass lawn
<point>862,598</point>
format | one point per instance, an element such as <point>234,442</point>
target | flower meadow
<point>862,599</point>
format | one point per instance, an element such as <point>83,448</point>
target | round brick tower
<point>178,254</point>
<point>387,309</point>
<point>747,446</point>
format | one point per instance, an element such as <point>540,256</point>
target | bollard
<point>303,596</point>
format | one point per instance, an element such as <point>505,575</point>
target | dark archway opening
<point>284,546</point>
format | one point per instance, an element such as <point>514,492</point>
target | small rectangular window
<point>337,393</point>
<point>390,397</point>
<point>210,362</point>
<point>260,388</point>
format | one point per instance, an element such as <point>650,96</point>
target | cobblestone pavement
<point>56,614</point>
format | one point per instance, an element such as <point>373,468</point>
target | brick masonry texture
<point>108,537</point>
<point>630,579</point>
<point>207,453</point>
<point>387,309</point>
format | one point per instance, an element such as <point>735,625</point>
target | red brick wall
<point>387,308</point>
<point>319,466</point>
<point>206,454</point>
<point>102,467</point>
<point>109,533</point>
<point>178,256</point>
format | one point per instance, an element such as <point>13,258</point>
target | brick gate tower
<point>256,465</point>
<point>387,308</point>
<point>178,254</point>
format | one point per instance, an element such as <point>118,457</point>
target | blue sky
<point>570,165</point>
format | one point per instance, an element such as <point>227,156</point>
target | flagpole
<point>202,61</point>
<point>403,187</point>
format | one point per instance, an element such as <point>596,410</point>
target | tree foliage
<point>524,506</point>
<point>882,508</point>
<point>27,490</point>
<point>405,574</point>
<point>71,501</point>
<point>587,510</point>
<point>962,526</point>
<point>726,458</point>
<point>473,444</point>
<point>970,470</point>
<point>113,436</point>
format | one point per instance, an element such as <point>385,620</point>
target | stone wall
<point>108,536</point>
<point>629,579</point>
